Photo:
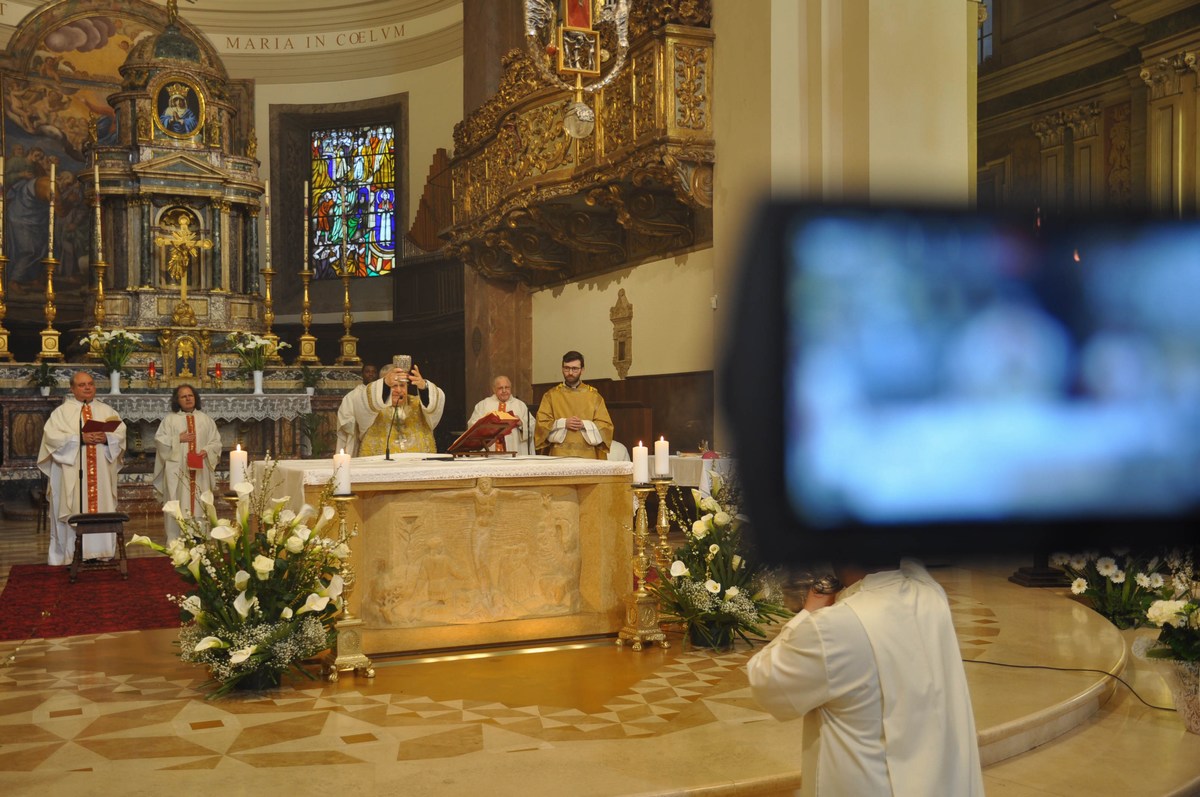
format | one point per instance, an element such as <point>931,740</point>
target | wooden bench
<point>99,523</point>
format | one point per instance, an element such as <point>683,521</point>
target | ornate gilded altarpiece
<point>533,204</point>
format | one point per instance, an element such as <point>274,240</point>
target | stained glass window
<point>352,201</point>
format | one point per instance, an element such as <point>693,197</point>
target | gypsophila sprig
<point>266,584</point>
<point>1118,585</point>
<point>254,350</point>
<point>711,589</point>
<point>113,346</point>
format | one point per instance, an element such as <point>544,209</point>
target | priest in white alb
<point>187,448</point>
<point>502,400</point>
<point>82,468</point>
<point>385,417</point>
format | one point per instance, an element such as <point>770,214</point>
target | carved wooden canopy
<point>531,203</point>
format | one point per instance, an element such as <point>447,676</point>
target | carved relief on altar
<point>185,356</point>
<point>471,556</point>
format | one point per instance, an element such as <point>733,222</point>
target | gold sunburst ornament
<point>571,48</point>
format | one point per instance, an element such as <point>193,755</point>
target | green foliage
<point>43,375</point>
<point>314,429</point>
<point>309,377</point>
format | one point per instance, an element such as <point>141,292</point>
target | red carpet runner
<point>98,602</point>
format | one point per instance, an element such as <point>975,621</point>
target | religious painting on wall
<point>352,202</point>
<point>178,108</point>
<point>54,102</point>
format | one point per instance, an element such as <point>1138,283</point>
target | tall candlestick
<point>341,473</point>
<point>345,223</point>
<point>53,177</point>
<point>662,458</point>
<point>1,205</point>
<point>237,466</point>
<point>305,262</point>
<point>641,464</point>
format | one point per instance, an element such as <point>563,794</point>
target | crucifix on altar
<point>183,244</point>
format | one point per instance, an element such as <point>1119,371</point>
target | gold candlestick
<point>308,343</point>
<point>347,652</point>
<point>349,343</point>
<point>663,551</point>
<point>50,348</point>
<point>269,316</point>
<point>5,354</point>
<point>641,608</point>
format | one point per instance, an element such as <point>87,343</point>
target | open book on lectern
<point>484,433</point>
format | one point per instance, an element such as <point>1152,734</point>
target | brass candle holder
<point>347,654</point>
<point>662,551</point>
<point>50,348</point>
<point>5,354</point>
<point>268,274</point>
<point>308,342</point>
<point>349,343</point>
<point>641,608</point>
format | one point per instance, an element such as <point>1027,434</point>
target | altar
<point>458,553</point>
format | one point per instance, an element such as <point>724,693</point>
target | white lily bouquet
<point>113,347</point>
<point>254,350</point>
<point>266,587</point>
<point>711,588</point>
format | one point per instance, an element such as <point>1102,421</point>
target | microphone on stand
<point>528,430</point>
<point>387,447</point>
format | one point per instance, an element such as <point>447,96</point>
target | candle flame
<point>239,446</point>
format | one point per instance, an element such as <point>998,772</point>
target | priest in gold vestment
<point>383,416</point>
<point>572,419</point>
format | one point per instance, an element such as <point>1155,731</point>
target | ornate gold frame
<point>165,84</point>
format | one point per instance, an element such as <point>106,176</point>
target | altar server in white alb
<point>187,448</point>
<point>502,400</point>
<point>878,677</point>
<point>82,468</point>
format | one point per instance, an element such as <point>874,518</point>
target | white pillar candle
<point>341,473</point>
<point>1,205</point>
<point>99,222</point>
<point>662,458</point>
<point>641,464</point>
<point>267,217</point>
<point>237,466</point>
<point>305,263</point>
<point>53,178</point>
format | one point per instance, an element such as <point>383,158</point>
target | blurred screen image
<point>951,368</point>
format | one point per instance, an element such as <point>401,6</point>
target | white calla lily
<point>314,603</point>
<point>240,580</point>
<point>678,568</point>
<point>334,588</point>
<point>732,592</point>
<point>712,586</point>
<point>140,539</point>
<point>209,643</point>
<point>238,656</point>
<point>286,614</point>
<point>225,534</point>
<point>306,511</point>
<point>243,604</point>
<point>327,513</point>
<point>210,507</point>
<point>192,605</point>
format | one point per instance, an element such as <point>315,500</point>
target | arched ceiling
<point>298,41</point>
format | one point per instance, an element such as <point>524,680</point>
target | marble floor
<point>118,713</point>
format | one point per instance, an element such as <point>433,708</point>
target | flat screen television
<point>924,381</point>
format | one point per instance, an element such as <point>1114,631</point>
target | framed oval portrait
<point>179,109</point>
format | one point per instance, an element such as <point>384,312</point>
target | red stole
<point>93,496</point>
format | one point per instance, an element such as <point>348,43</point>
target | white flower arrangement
<point>266,587</point>
<point>254,350</point>
<point>1105,583</point>
<point>112,346</point>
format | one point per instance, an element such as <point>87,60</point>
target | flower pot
<point>1183,679</point>
<point>310,390</point>
<point>258,681</point>
<point>717,636</point>
<point>44,390</point>
<point>114,383</point>
<point>258,379</point>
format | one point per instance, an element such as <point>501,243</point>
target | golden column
<point>50,347</point>
<point>98,265</point>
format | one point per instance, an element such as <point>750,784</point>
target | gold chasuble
<point>562,402</point>
<point>411,435</point>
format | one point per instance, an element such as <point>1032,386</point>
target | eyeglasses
<point>573,369</point>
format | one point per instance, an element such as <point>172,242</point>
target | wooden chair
<point>99,523</point>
